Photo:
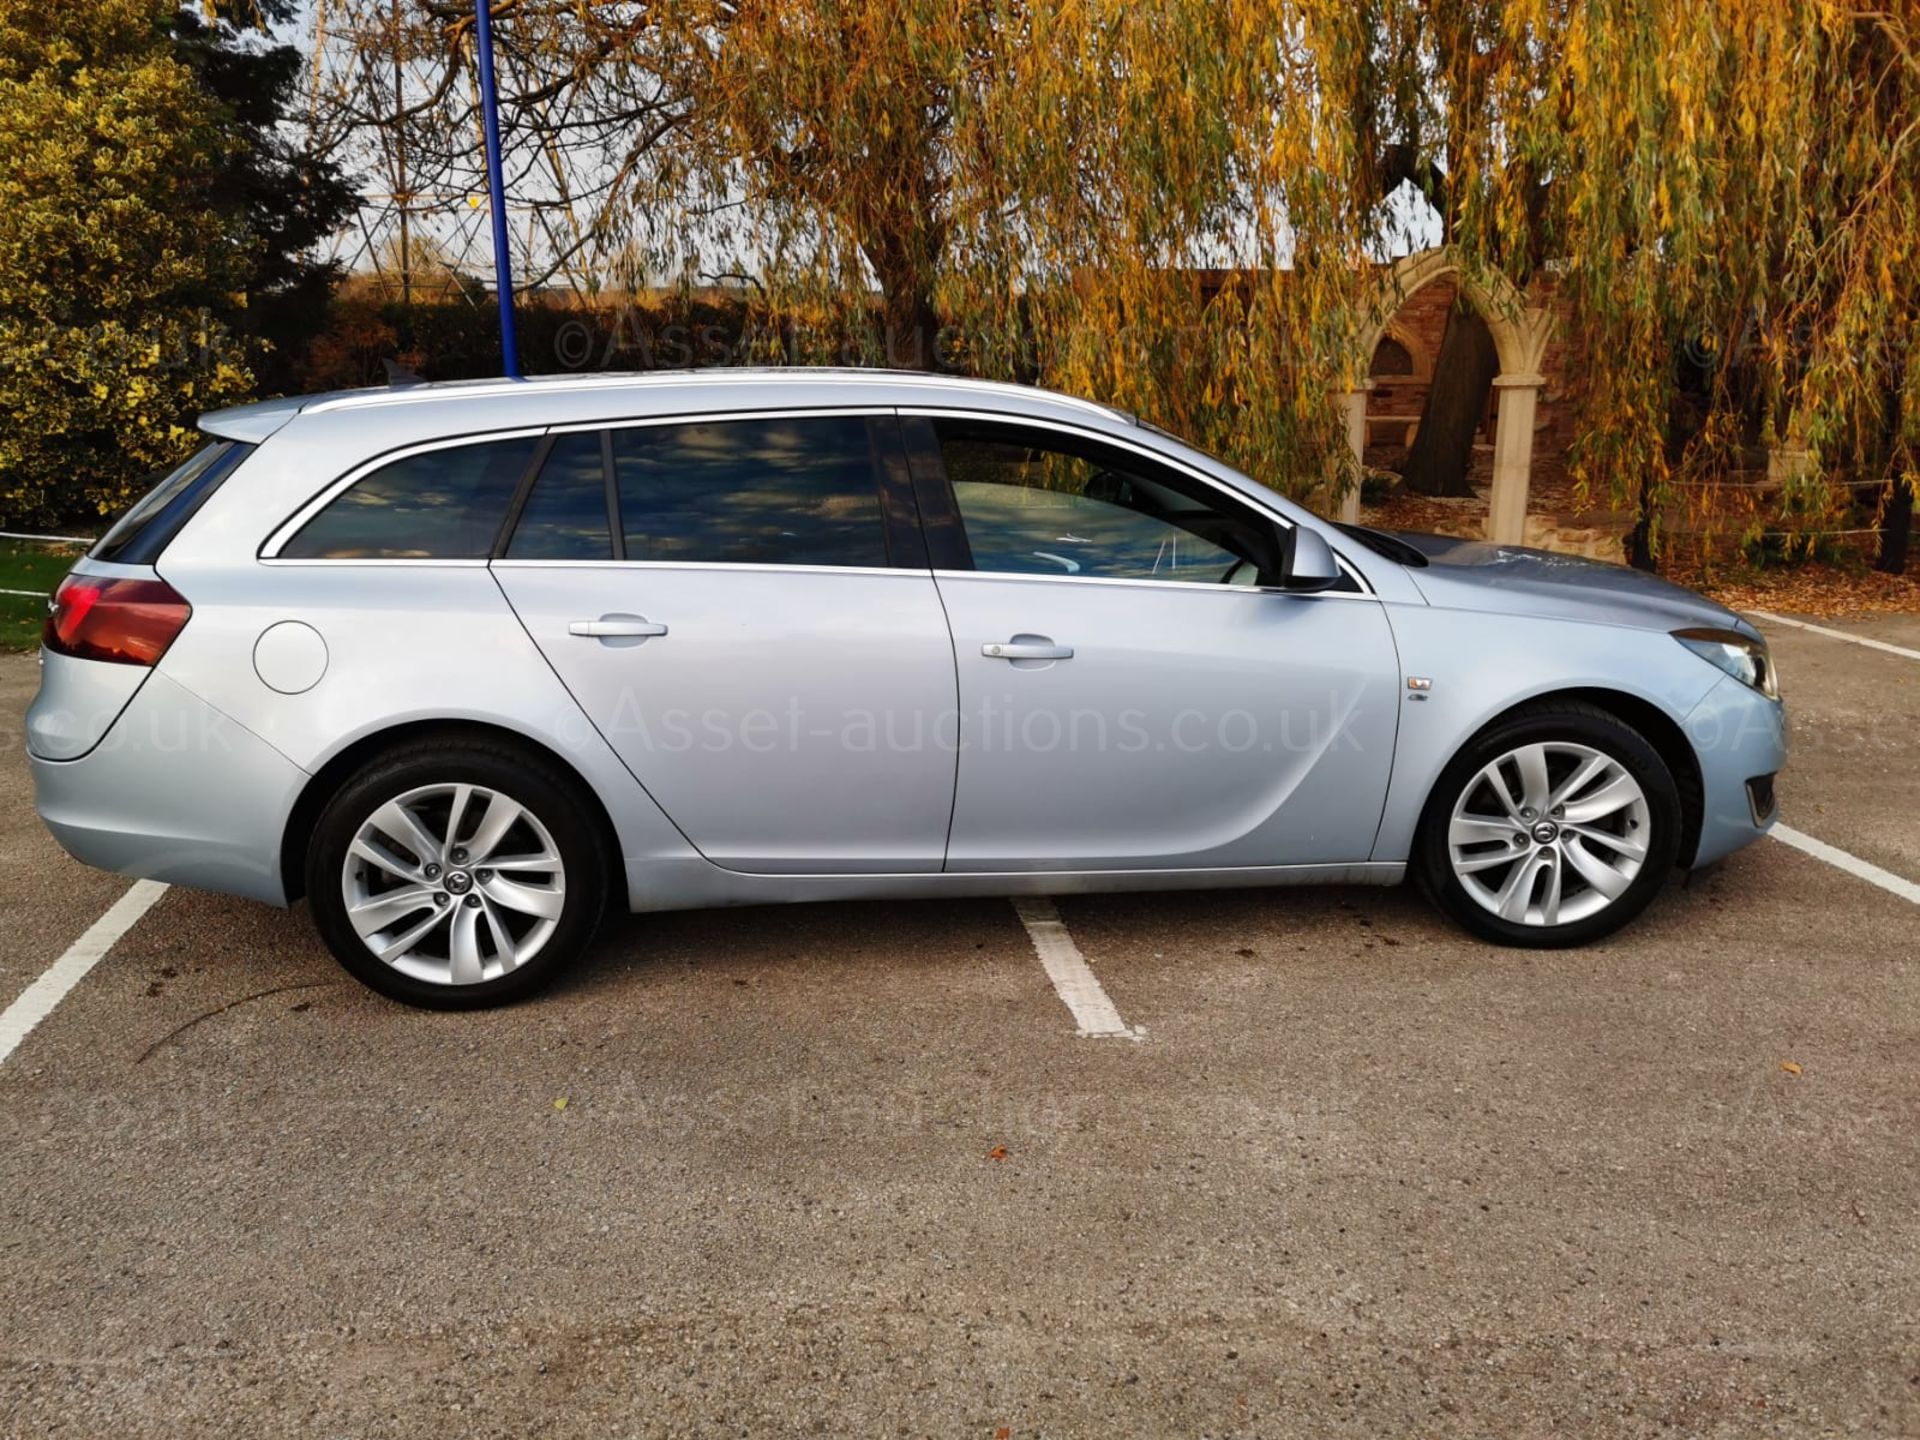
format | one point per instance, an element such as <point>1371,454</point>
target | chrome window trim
<point>417,563</point>
<point>270,551</point>
<point>1212,587</point>
<point>1366,591</point>
<point>748,567</point>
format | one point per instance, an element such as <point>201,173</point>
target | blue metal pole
<point>496,189</point>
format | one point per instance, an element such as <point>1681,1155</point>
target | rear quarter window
<point>150,523</point>
<point>446,504</point>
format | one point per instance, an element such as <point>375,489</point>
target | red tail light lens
<point>124,622</point>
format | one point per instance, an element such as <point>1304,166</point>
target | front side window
<point>444,504</point>
<point>1034,502</point>
<point>801,491</point>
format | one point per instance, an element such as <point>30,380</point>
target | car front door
<point>1136,691</point>
<point>743,607</point>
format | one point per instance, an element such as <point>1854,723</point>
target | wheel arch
<point>1660,729</point>
<point>325,783</point>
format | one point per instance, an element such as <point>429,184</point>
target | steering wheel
<point>1241,573</point>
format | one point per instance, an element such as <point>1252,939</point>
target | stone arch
<point>1520,332</point>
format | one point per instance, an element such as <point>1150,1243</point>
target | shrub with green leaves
<point>112,265</point>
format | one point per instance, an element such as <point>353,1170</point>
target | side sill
<point>696,885</point>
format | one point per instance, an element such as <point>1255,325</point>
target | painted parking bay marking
<point>1871,644</point>
<point>1073,979</point>
<point>1852,864</point>
<point>36,1002</point>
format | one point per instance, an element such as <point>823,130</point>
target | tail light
<point>124,622</point>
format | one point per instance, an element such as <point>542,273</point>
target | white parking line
<point>1073,979</point>
<point>1773,619</point>
<point>1852,864</point>
<point>36,1002</point>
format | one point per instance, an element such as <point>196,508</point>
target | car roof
<point>463,406</point>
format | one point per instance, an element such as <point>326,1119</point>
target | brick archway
<point>1520,335</point>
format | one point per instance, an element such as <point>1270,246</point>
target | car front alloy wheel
<point>1553,827</point>
<point>1549,833</point>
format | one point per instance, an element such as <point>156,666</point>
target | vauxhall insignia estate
<point>467,665</point>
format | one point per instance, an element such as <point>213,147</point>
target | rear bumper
<point>175,792</point>
<point>1740,737</point>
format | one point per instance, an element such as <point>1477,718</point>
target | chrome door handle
<point>1027,650</point>
<point>602,629</point>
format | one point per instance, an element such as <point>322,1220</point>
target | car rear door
<point>1134,692</point>
<point>742,605</point>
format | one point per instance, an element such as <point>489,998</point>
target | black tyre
<point>1554,827</point>
<point>458,872</point>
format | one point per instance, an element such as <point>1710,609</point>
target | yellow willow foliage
<point>1734,187</point>
<point>1724,192</point>
<point>1042,184</point>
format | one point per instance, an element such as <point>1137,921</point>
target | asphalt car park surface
<point>848,1169</point>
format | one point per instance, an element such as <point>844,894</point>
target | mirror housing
<point>1309,564</point>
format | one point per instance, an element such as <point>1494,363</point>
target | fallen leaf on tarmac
<point>560,1103</point>
<point>1790,1067</point>
<point>1005,1432</point>
<point>999,1152</point>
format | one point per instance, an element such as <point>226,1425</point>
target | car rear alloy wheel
<point>458,871</point>
<point>454,884</point>
<point>1549,833</point>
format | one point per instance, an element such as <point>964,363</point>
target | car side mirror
<point>1309,564</point>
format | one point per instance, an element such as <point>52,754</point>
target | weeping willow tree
<point>1180,208</point>
<point>1040,191</point>
<point>588,117</point>
<point>1851,385</point>
<point>1731,190</point>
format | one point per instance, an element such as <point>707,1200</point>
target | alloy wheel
<point>453,884</point>
<point>1549,833</point>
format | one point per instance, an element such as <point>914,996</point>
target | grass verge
<point>36,568</point>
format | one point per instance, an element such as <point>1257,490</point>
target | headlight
<point>1741,656</point>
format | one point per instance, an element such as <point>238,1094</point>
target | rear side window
<point>439,505</point>
<point>769,492</point>
<point>138,536</point>
<point>565,517</point>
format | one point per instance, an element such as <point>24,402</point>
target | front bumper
<point>1740,737</point>
<point>176,791</point>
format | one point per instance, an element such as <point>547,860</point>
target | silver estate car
<point>463,664</point>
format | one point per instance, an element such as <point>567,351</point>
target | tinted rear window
<point>440,505</point>
<point>769,492</point>
<point>566,514</point>
<point>139,535</point>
